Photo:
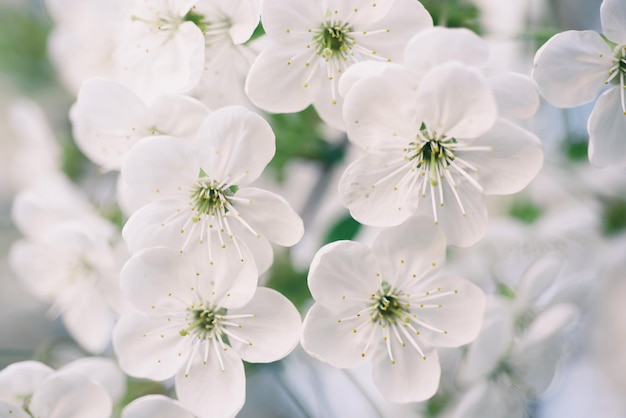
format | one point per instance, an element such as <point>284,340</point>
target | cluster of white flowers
<point>171,102</point>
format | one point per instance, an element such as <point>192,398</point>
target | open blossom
<point>198,321</point>
<point>316,41</point>
<point>433,151</point>
<point>108,119</point>
<point>386,304</point>
<point>83,388</point>
<point>574,66</point>
<point>199,194</point>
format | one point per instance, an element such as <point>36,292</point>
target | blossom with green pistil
<point>433,151</point>
<point>199,193</point>
<point>197,321</point>
<point>315,42</point>
<point>386,304</point>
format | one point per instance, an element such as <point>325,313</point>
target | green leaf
<point>298,136</point>
<point>345,228</point>
<point>290,282</point>
<point>454,13</point>
<point>23,41</point>
<point>526,211</point>
<point>614,216</point>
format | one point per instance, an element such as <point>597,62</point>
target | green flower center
<point>208,198</point>
<point>332,40</point>
<point>618,70</point>
<point>432,153</point>
<point>203,321</point>
<point>389,306</point>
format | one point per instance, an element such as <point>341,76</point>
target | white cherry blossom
<point>315,42</point>
<point>198,321</point>
<point>199,194</point>
<point>435,150</point>
<point>386,304</point>
<point>574,66</point>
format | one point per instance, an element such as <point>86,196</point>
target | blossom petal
<point>160,280</point>
<point>128,200</point>
<point>387,36</point>
<point>537,278</point>
<point>571,68</point>
<point>157,281</point>
<point>514,158</point>
<point>607,124</point>
<point>462,228</point>
<point>155,406</point>
<point>222,83</point>
<point>258,246</point>
<point>456,100</point>
<point>160,167</point>
<point>361,12</point>
<point>70,395</point>
<point>380,111</point>
<point>453,305</point>
<point>516,94</point>
<point>229,281</point>
<point>491,344</point>
<point>272,332</point>
<point>438,45</point>
<point>234,145</point>
<point>410,251</point>
<point>613,16</point>
<point>412,378</point>
<point>178,116</point>
<point>217,387</point>
<point>380,190</point>
<point>280,15</point>
<point>150,347</point>
<point>343,272</point>
<point>89,320</point>
<point>20,379</point>
<point>269,215</point>
<point>329,105</point>
<point>158,224</point>
<point>543,340</point>
<point>335,342</point>
<point>103,371</point>
<point>153,63</point>
<point>280,81</point>
<point>365,69</point>
<point>11,410</point>
<point>107,120</point>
